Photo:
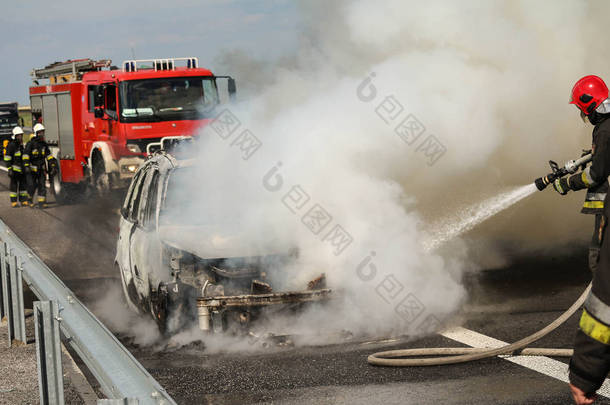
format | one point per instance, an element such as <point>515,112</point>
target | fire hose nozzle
<point>542,182</point>
<point>569,168</point>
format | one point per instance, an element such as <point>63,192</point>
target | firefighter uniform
<point>591,360</point>
<point>594,205</point>
<point>13,160</point>
<point>35,158</point>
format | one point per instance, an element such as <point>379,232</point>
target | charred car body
<point>182,267</point>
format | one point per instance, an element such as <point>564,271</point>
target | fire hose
<point>455,355</point>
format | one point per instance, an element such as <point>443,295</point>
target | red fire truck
<point>99,119</point>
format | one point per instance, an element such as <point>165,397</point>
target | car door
<point>149,221</point>
<point>143,242</point>
<point>125,229</point>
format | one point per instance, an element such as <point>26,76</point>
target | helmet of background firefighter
<point>17,131</point>
<point>38,128</point>
<point>590,94</point>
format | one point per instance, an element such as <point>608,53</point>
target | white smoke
<point>487,83</point>
<point>112,310</point>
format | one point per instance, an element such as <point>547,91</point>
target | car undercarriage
<point>226,295</point>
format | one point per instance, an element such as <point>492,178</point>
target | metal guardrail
<point>119,374</point>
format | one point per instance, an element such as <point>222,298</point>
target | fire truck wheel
<point>100,180</point>
<point>61,191</point>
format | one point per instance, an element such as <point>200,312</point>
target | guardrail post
<point>16,313</point>
<point>8,301</point>
<point>119,374</point>
<point>4,281</point>
<point>121,401</point>
<point>48,352</point>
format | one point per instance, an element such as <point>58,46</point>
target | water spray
<point>557,172</point>
<point>468,218</point>
<point>478,214</point>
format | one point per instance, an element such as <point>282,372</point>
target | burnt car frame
<point>179,273</point>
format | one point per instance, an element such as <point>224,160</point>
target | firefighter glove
<point>561,186</point>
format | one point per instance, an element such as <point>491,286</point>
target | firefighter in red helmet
<point>590,95</point>
<point>591,360</point>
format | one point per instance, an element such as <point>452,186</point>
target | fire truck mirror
<point>100,96</point>
<point>98,112</point>
<point>232,87</point>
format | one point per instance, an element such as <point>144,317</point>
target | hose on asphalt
<point>452,355</point>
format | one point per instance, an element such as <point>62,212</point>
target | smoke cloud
<point>111,309</point>
<point>388,117</point>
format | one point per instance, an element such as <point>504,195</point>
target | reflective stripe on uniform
<point>17,169</point>
<point>593,204</point>
<point>24,194</point>
<point>13,195</point>
<point>7,157</point>
<point>26,156</point>
<point>586,177</point>
<point>34,169</point>
<point>50,157</point>
<point>598,308</point>
<point>17,153</point>
<point>35,152</point>
<point>594,328</point>
<point>596,196</point>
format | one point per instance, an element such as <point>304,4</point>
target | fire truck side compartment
<point>56,109</point>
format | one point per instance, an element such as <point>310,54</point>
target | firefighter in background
<point>13,160</point>
<point>591,360</point>
<point>37,161</point>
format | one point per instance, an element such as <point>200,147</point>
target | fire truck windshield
<point>167,99</point>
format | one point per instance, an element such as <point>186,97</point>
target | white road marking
<point>371,342</point>
<point>4,168</point>
<point>541,364</point>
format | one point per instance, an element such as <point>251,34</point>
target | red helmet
<point>588,93</point>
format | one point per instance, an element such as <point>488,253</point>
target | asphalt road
<point>78,243</point>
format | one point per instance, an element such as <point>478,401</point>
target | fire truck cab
<point>99,119</point>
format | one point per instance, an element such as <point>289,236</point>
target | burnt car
<point>183,265</point>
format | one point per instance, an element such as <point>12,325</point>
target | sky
<point>36,33</point>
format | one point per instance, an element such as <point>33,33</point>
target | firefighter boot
<point>14,200</point>
<point>24,199</point>
<point>42,202</point>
